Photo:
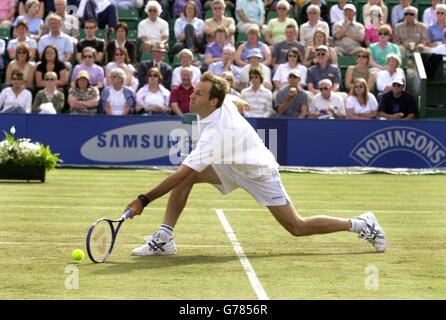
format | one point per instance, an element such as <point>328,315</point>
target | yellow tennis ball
<point>78,255</point>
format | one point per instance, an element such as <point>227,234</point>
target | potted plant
<point>21,159</point>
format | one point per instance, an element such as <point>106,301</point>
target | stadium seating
<point>129,16</point>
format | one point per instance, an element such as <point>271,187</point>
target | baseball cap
<point>322,47</point>
<point>398,80</point>
<point>295,73</point>
<point>83,74</point>
<point>254,53</point>
<point>350,6</point>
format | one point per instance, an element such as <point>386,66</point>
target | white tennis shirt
<point>226,138</point>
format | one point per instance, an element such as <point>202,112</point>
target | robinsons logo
<point>399,139</point>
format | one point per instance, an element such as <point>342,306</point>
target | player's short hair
<point>219,88</point>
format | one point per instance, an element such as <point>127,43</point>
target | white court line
<point>255,283</point>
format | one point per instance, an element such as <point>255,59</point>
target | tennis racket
<point>101,237</point>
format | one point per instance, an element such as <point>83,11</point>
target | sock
<point>357,225</point>
<point>164,233</point>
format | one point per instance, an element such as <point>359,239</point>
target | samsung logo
<point>398,139</point>
<point>138,142</point>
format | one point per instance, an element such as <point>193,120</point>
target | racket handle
<point>127,214</point>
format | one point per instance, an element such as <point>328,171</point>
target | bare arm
<point>169,183</point>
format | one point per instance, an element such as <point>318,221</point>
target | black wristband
<point>144,200</point>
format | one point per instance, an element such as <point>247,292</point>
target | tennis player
<point>229,154</point>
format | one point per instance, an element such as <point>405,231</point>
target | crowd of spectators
<point>282,57</point>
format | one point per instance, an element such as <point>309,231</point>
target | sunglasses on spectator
<point>153,76</point>
<point>292,55</point>
<point>16,78</point>
<point>90,27</point>
<point>119,54</point>
<point>320,54</point>
<point>383,34</point>
<point>440,12</point>
<point>362,56</point>
<point>50,79</point>
<point>409,14</point>
<point>153,10</point>
<point>281,8</point>
<point>292,76</point>
<point>397,85</point>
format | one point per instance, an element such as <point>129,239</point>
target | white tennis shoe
<point>156,247</point>
<point>373,232</point>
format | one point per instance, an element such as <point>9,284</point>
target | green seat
<point>5,33</point>
<point>129,16</point>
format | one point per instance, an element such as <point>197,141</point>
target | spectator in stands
<point>348,34</point>
<point>280,49</point>
<point>441,49</point>
<point>121,31</point>
<point>96,72</point>
<point>248,13</point>
<point>230,4</point>
<point>429,15</point>
<point>380,50</point>
<point>254,61</point>
<point>397,104</point>
<point>153,98</point>
<point>16,99</point>
<point>226,64</point>
<point>117,99</point>
<point>368,14</point>
<point>398,12</point>
<point>410,35</point>
<point>21,32</point>
<point>372,29</point>
<point>22,9</point>
<point>275,31</point>
<point>253,41</point>
<point>186,58</point>
<point>218,20</point>
<point>22,63</point>
<point>291,101</point>
<point>158,52</point>
<point>324,13</point>
<point>83,97</point>
<point>61,41</point>
<point>32,18</point>
<point>228,76</point>
<point>435,30</point>
<point>323,70</point>
<point>214,50</point>
<point>49,100</point>
<point>121,60</point>
<point>50,63</point>
<point>102,11</point>
<point>319,38</point>
<point>7,10</point>
<point>2,52</point>
<point>385,77</point>
<point>293,62</point>
<point>189,29</point>
<point>165,6</point>
<point>361,104</point>
<point>70,22</point>
<point>259,98</point>
<point>178,8</point>
<point>337,11</point>
<point>153,28</point>
<point>326,104</point>
<point>180,95</point>
<point>360,70</point>
<point>314,23</point>
<point>90,40</point>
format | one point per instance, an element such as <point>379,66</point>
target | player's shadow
<point>165,262</point>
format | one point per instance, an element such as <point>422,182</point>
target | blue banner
<point>140,141</point>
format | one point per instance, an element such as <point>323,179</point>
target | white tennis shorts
<point>267,189</point>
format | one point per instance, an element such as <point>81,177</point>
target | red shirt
<point>182,97</point>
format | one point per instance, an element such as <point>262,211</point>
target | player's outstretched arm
<point>169,183</point>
